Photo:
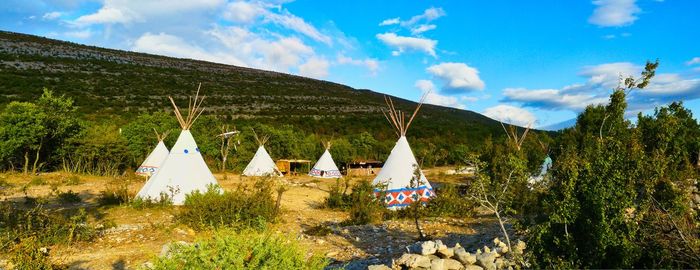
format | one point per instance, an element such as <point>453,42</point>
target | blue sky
<point>511,60</point>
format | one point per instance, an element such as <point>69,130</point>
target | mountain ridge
<point>109,82</point>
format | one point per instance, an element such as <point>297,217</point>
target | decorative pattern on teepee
<point>261,164</point>
<point>397,176</point>
<point>151,164</point>
<point>325,166</point>
<point>184,171</point>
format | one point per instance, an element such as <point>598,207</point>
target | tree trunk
<point>26,162</point>
<point>503,229</point>
<point>278,203</point>
<point>36,159</point>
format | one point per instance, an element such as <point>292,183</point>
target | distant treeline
<point>49,134</point>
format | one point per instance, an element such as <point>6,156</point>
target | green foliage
<point>618,196</point>
<point>164,200</point>
<point>240,250</point>
<point>71,180</point>
<point>37,181</point>
<point>246,207</point>
<point>115,195</point>
<point>46,226</point>
<point>68,197</point>
<point>140,136</point>
<point>29,254</point>
<point>449,202</point>
<point>365,207</point>
<point>99,150</point>
<point>338,197</point>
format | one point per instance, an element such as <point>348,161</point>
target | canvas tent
<point>261,164</point>
<point>546,165</point>
<point>397,175</point>
<point>151,164</point>
<point>325,166</point>
<point>184,170</point>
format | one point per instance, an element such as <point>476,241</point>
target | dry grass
<point>138,235</point>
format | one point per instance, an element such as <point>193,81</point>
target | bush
<point>115,195</point>
<point>364,206</point>
<point>338,197</point>
<point>241,208</point>
<point>164,200</point>
<point>450,202</point>
<point>72,180</point>
<point>29,254</point>
<point>37,181</point>
<point>48,227</point>
<point>69,197</point>
<point>245,250</point>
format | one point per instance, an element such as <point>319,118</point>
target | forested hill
<point>114,84</point>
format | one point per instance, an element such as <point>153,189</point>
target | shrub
<point>48,227</point>
<point>240,208</point>
<point>337,196</point>
<point>245,250</point>
<point>318,230</point>
<point>72,180</point>
<point>37,181</point>
<point>364,206</point>
<point>69,197</point>
<point>450,202</point>
<point>29,254</point>
<point>115,195</point>
<point>163,200</point>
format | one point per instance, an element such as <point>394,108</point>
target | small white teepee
<point>151,164</point>
<point>261,164</point>
<point>184,171</point>
<point>398,170</point>
<point>325,166</point>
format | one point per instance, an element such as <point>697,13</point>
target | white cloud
<point>299,25</point>
<point>427,16</point>
<point>51,15</point>
<point>132,11</point>
<point>174,46</point>
<point>432,97</point>
<point>601,79</point>
<point>279,54</point>
<point>314,67</point>
<point>401,43</point>
<point>243,12</point>
<point>391,21</point>
<point>422,28</point>
<point>510,114</point>
<point>457,77</point>
<point>614,13</point>
<point>82,34</point>
<point>694,61</point>
<point>371,64</point>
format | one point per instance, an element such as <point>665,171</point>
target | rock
<point>414,261</point>
<point>500,263</point>
<point>486,260</point>
<point>519,247</point>
<point>502,250</point>
<point>428,247</point>
<point>496,241</point>
<point>378,267</point>
<point>437,264</point>
<point>473,267</point>
<point>464,256</point>
<point>487,249</point>
<point>446,252</point>
<point>440,245</point>
<point>452,264</point>
<point>331,254</point>
<point>432,257</point>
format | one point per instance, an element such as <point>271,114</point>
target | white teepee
<point>151,164</point>
<point>397,174</point>
<point>261,164</point>
<point>184,171</point>
<point>325,166</point>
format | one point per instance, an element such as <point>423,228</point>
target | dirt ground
<point>139,235</point>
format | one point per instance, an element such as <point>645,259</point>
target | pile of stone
<point>435,255</point>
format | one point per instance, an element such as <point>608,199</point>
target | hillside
<point>106,83</point>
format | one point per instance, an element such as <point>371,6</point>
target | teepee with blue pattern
<point>398,175</point>
<point>184,171</point>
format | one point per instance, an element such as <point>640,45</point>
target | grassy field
<point>135,236</point>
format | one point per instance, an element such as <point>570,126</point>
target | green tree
<point>22,133</point>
